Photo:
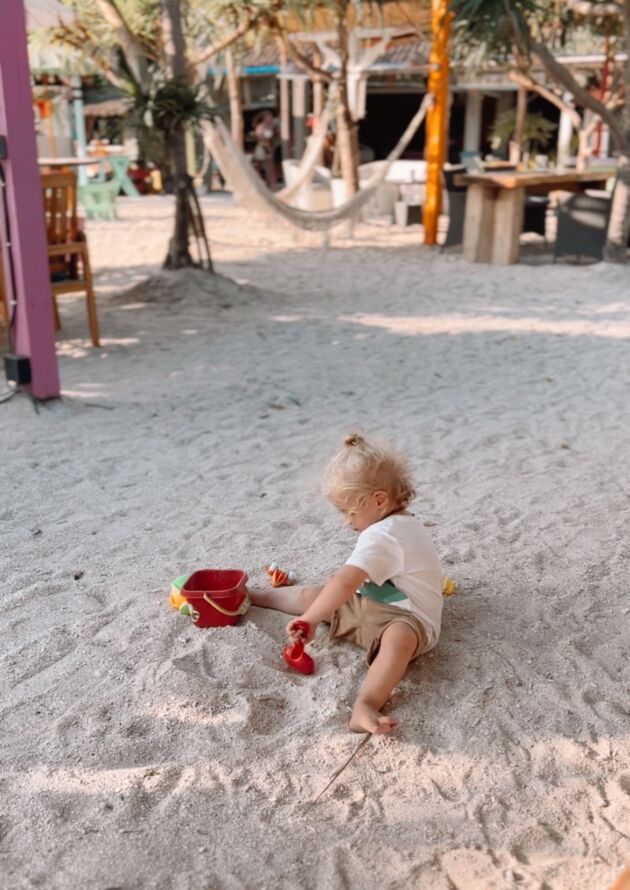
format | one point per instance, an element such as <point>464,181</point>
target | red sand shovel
<point>294,653</point>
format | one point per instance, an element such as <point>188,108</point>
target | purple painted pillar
<point>33,333</point>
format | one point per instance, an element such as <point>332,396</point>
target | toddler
<point>387,597</point>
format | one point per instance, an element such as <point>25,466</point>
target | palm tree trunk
<point>178,254</point>
<point>234,93</point>
<point>616,249</point>
<point>346,143</point>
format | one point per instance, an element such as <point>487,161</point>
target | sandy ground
<point>138,751</point>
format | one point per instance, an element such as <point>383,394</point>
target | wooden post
<point>436,117</point>
<point>472,121</point>
<point>493,224</point>
<point>479,224</point>
<point>508,224</point>
<point>78,119</point>
<point>602,93</point>
<point>285,110</point>
<point>27,266</point>
<point>298,108</point>
<point>318,98</point>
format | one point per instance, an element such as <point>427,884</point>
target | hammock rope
<point>314,146</point>
<point>252,191</point>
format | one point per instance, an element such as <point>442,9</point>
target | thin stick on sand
<point>361,744</point>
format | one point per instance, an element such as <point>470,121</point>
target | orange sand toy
<point>623,881</point>
<point>278,577</point>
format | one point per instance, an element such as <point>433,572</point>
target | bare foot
<point>365,718</point>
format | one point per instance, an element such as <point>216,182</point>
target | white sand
<point>141,752</point>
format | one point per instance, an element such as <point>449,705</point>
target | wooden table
<point>494,208</point>
<point>64,164</point>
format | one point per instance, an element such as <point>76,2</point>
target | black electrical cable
<point>7,229</point>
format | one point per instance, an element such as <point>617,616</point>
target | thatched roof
<point>394,13</point>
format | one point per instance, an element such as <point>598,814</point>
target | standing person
<point>264,131</point>
<point>387,597</point>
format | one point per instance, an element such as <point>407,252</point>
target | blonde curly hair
<point>363,467</point>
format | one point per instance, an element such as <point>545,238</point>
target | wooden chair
<point>68,255</point>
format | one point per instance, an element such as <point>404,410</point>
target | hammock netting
<point>252,191</point>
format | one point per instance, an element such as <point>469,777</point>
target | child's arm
<point>336,591</point>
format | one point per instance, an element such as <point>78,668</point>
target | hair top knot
<point>364,466</point>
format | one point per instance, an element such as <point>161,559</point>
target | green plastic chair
<point>98,200</point>
<point>120,165</point>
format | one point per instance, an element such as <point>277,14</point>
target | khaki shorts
<point>363,621</point>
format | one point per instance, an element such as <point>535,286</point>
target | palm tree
<point>146,49</point>
<point>175,51</point>
<point>516,30</point>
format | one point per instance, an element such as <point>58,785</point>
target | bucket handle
<point>244,606</point>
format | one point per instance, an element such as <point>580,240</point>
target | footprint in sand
<point>353,799</point>
<point>146,676</point>
<point>537,843</point>
<point>266,715</point>
<point>196,664</point>
<point>138,728</point>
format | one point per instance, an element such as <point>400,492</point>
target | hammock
<point>308,162</point>
<point>310,157</point>
<point>250,188</point>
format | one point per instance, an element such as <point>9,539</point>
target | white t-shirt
<point>399,549</point>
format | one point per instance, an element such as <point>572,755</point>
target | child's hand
<point>297,633</point>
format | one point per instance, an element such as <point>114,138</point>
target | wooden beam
<point>25,261</point>
<point>437,117</point>
<point>551,180</point>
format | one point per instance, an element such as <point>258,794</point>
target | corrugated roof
<point>408,55</point>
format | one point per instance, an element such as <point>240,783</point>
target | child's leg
<point>293,600</point>
<point>398,644</point>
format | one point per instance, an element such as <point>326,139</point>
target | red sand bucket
<point>217,597</point>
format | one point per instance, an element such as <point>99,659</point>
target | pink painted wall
<point>34,333</point>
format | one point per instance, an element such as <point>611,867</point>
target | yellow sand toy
<point>175,598</point>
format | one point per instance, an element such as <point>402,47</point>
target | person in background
<point>265,133</point>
